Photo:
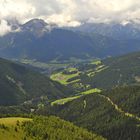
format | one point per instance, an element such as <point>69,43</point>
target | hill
<point>113,113</point>
<point>123,70</point>
<point>10,128</point>
<point>52,128</point>
<point>19,84</point>
<point>103,74</point>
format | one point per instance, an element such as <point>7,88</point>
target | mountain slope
<point>102,74</point>
<point>42,128</point>
<point>119,71</point>
<point>36,40</point>
<point>126,98</point>
<point>120,31</point>
<point>110,113</point>
<point>57,44</point>
<point>19,84</point>
<point>112,72</point>
<point>53,128</point>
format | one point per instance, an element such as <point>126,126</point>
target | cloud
<point>70,12</point>
<point>4,28</point>
<point>16,9</point>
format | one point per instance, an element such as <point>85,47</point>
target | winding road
<point>119,109</point>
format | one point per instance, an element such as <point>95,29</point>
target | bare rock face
<point>37,27</point>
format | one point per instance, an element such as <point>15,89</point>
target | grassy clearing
<point>98,62</point>
<point>91,74</point>
<point>13,120</point>
<point>63,78</point>
<point>65,100</point>
<point>101,68</point>
<point>95,90</point>
<point>10,128</point>
<point>97,70</point>
<point>74,81</point>
<point>71,69</point>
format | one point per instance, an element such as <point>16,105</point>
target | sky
<point>68,12</point>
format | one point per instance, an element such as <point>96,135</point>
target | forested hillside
<point>112,113</point>
<point>110,72</point>
<point>19,84</point>
<point>122,70</point>
<point>53,128</point>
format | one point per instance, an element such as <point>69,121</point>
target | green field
<point>98,69</point>
<point>95,90</point>
<point>97,62</point>
<point>63,78</point>
<point>10,129</point>
<point>65,100</point>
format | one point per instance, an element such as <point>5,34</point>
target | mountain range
<point>37,40</point>
<point>119,31</point>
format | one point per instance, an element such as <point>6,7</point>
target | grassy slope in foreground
<point>42,128</point>
<point>10,129</point>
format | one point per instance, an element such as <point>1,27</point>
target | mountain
<point>113,114</point>
<point>123,70</point>
<point>19,84</point>
<point>102,74</point>
<point>37,40</point>
<point>121,31</point>
<point>37,27</point>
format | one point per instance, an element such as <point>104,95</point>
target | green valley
<point>19,84</point>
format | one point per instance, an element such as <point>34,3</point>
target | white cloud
<point>4,28</point>
<point>17,9</point>
<point>70,12</point>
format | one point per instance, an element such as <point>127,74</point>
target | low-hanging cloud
<point>4,28</point>
<point>69,12</point>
